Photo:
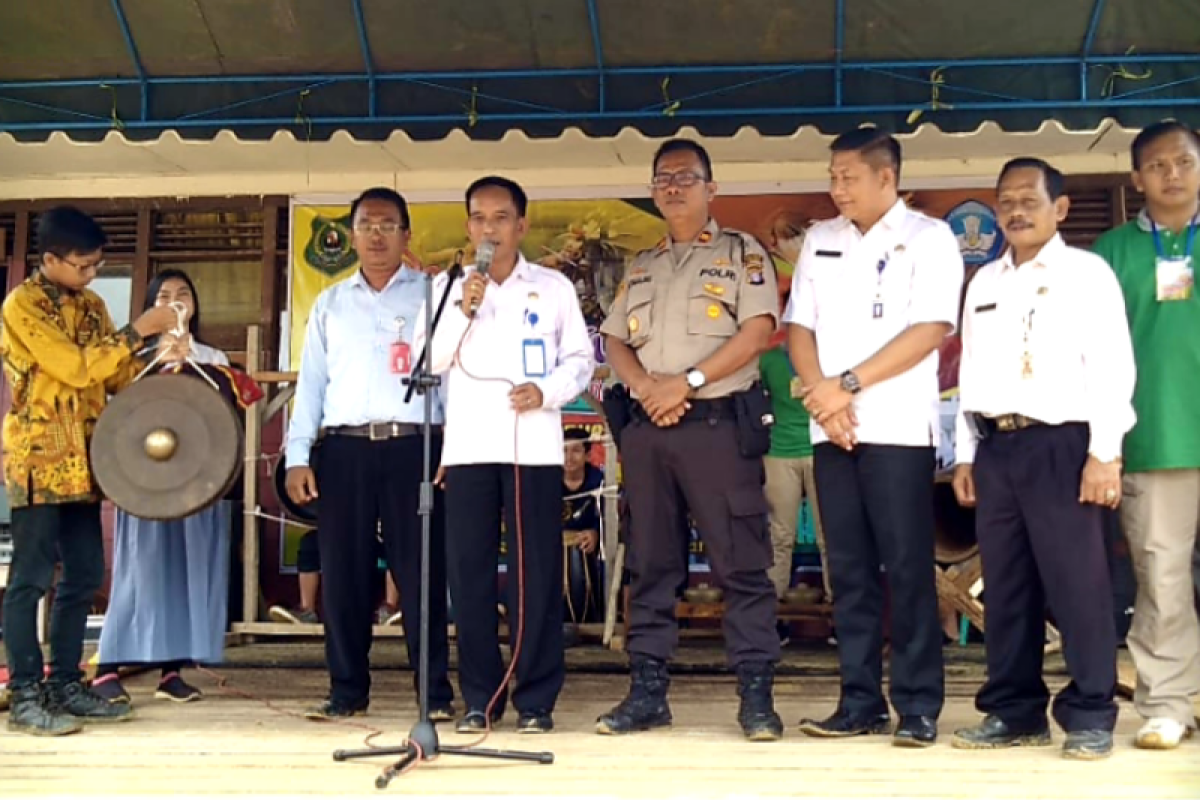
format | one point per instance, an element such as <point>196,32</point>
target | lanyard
<point>1191,239</point>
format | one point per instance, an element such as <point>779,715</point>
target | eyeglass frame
<point>368,228</point>
<point>672,179</point>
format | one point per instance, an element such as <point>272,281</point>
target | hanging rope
<point>1121,72</point>
<point>473,109</point>
<point>117,123</point>
<point>669,106</point>
<point>936,81</point>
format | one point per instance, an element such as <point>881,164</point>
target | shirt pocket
<point>712,306</point>
<point>639,312</point>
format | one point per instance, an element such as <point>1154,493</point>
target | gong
<point>167,447</point>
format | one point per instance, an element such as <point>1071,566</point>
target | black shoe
<point>337,709</point>
<point>756,713</point>
<point>177,690</point>
<point>784,631</point>
<point>474,721</point>
<point>31,713</point>
<point>85,705</point>
<point>842,725</point>
<point>441,712</point>
<point>1088,745</point>
<point>994,734</point>
<point>645,707</point>
<point>535,722</point>
<point>111,690</point>
<point>915,732</point>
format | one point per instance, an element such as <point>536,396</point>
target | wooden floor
<point>234,745</point>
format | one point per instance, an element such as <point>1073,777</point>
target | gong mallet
<point>422,742</point>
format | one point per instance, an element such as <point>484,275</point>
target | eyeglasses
<point>684,180</point>
<point>383,228</point>
<point>99,265</point>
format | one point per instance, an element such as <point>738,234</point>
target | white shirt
<point>835,290</point>
<point>345,369</point>
<point>1078,341</point>
<point>533,316</point>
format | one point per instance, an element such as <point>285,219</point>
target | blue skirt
<point>170,589</point>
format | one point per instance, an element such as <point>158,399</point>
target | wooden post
<point>250,485</point>
<point>18,268</point>
<point>141,262</point>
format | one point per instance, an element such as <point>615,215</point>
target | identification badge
<point>534,352</point>
<point>1173,278</point>
<point>797,388</point>
<point>401,358</point>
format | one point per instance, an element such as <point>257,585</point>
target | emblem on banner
<point>978,235</point>
<point>329,249</point>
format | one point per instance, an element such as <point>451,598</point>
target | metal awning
<point>570,164</point>
<point>372,67</point>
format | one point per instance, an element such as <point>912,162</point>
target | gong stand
<point>422,742</point>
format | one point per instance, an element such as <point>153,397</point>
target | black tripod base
<point>423,743</point>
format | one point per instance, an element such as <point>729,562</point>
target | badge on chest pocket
<point>1173,279</point>
<point>533,353</point>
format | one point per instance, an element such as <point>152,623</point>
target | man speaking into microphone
<point>516,350</point>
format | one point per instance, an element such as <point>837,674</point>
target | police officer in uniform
<point>685,333</point>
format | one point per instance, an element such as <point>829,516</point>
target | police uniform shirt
<point>1064,313</point>
<point>677,311</point>
<point>857,292</point>
<point>345,368</point>
<point>529,324</point>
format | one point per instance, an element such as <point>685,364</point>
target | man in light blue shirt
<point>352,424</point>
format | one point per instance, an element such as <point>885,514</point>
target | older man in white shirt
<point>1046,387</point>
<point>516,349</point>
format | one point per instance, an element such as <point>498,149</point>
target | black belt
<point>377,431</point>
<point>1005,423</point>
<point>700,411</point>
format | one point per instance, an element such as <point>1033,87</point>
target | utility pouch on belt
<point>752,409</point>
<point>617,410</point>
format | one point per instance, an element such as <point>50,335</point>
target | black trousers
<point>42,536</point>
<point>476,496</point>
<point>876,505</point>
<point>696,466</point>
<point>368,488</point>
<point>1040,545</point>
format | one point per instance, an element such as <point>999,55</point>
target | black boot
<point>81,702</point>
<point>31,713</point>
<point>756,714</point>
<point>645,707</point>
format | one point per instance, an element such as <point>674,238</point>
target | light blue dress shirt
<point>345,369</point>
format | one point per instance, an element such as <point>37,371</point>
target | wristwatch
<point>695,378</point>
<point>850,382</point>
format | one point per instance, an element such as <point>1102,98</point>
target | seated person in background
<point>308,574</point>
<point>581,532</point>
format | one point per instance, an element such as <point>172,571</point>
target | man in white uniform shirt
<point>350,398</point>
<point>1045,400</point>
<point>875,293</point>
<point>516,349</point>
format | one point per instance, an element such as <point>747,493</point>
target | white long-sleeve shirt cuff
<point>964,440</point>
<point>1106,441</point>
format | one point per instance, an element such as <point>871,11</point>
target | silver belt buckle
<point>387,428</point>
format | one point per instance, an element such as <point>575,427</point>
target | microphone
<point>483,264</point>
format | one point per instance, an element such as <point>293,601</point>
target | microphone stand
<point>422,741</point>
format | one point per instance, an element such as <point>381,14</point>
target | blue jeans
<point>43,535</point>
